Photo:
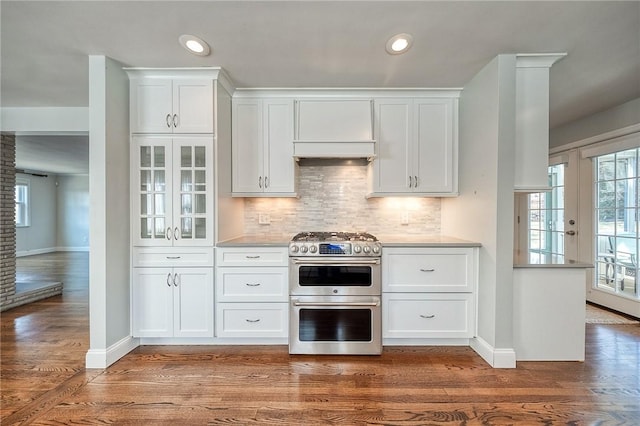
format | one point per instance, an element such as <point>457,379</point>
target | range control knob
<point>357,249</point>
<point>294,249</point>
<point>303,249</point>
<point>366,249</point>
<point>376,249</point>
<point>313,249</point>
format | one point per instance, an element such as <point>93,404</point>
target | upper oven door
<point>334,276</point>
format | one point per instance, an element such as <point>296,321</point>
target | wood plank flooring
<point>43,380</point>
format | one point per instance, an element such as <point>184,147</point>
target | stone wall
<point>7,220</point>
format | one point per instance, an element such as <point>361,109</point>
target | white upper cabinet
<point>262,149</point>
<point>416,151</point>
<point>172,105</point>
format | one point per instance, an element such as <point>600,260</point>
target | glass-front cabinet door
<point>193,191</point>
<point>151,189</point>
<point>172,191</point>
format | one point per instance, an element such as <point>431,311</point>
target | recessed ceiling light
<point>399,43</point>
<point>194,44</point>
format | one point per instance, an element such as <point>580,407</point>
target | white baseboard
<point>49,250</point>
<point>102,358</point>
<point>495,357</point>
<point>36,251</point>
<point>84,248</point>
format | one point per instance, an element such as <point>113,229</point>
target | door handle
<point>570,232</point>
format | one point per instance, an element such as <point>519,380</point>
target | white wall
<point>609,120</point>
<point>72,212</point>
<point>484,210</point>
<point>40,235</point>
<point>109,265</point>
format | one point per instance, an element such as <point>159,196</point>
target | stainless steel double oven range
<point>335,289</point>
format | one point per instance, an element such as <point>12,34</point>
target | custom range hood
<point>334,128</point>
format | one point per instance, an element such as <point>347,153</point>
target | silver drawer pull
<point>428,316</point>
<point>427,270</point>
<point>253,257</point>
<point>174,257</point>
<point>252,284</point>
<point>253,321</point>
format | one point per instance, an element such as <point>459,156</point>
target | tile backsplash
<point>332,198</point>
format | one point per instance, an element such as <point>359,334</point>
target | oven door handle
<point>296,303</point>
<point>336,262</point>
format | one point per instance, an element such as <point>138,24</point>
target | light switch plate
<point>264,219</point>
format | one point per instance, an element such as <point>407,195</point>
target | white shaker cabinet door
<point>193,302</point>
<point>247,150</point>
<point>279,172</point>
<point>391,166</point>
<point>433,151</point>
<point>152,302</point>
<point>193,106</point>
<point>151,106</point>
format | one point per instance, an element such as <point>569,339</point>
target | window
<point>22,203</point>
<point>616,213</point>
<point>546,219</point>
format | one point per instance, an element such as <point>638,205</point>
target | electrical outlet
<point>404,220</point>
<point>264,219</point>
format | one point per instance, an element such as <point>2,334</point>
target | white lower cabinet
<point>172,292</point>
<point>252,292</point>
<point>428,293</point>
<point>432,315</point>
<point>172,302</point>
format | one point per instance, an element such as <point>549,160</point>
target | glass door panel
<point>153,203</point>
<point>194,182</point>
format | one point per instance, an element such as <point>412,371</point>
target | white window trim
<point>27,183</point>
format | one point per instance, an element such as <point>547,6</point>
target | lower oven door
<point>342,325</point>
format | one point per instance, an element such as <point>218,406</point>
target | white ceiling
<point>45,45</point>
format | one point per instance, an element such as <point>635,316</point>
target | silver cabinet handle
<point>410,182</point>
<point>252,284</point>
<point>169,279</point>
<point>427,270</point>
<point>415,182</point>
<point>428,316</point>
<point>175,120</point>
<point>168,233</point>
<point>168,119</point>
<point>253,257</point>
<point>266,182</point>
<point>176,280</point>
<point>252,321</point>
<point>174,257</point>
<point>176,233</point>
<point>260,182</point>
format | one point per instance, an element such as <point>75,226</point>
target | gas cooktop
<point>334,236</point>
<point>355,244</point>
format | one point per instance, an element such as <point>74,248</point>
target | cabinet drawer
<point>252,256</point>
<point>252,319</point>
<point>422,269</point>
<point>172,256</point>
<point>252,284</point>
<point>412,315</point>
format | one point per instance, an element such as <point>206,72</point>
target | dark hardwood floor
<point>43,380</point>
